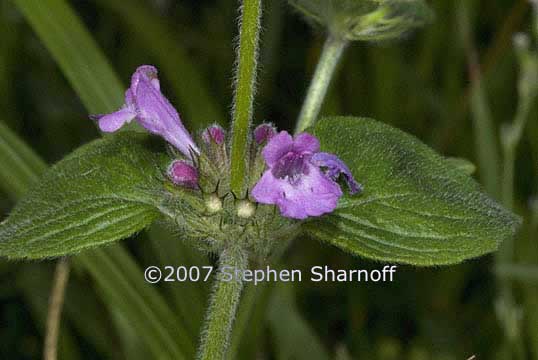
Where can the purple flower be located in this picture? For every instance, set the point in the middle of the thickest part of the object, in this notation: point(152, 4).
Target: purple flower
point(145, 102)
point(183, 174)
point(300, 180)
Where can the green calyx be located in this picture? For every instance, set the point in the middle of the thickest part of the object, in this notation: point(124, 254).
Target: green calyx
point(212, 222)
point(211, 217)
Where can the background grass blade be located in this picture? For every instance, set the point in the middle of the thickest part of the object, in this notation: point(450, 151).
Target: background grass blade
point(117, 274)
point(196, 105)
point(293, 336)
point(189, 297)
point(121, 281)
point(76, 53)
point(18, 162)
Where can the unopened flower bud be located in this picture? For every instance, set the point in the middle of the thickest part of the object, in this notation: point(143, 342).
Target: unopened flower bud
point(215, 134)
point(183, 174)
point(263, 133)
point(366, 20)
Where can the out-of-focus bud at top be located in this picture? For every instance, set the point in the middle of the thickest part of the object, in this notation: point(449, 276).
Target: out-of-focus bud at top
point(367, 20)
point(214, 134)
point(263, 133)
point(521, 41)
point(183, 174)
point(528, 63)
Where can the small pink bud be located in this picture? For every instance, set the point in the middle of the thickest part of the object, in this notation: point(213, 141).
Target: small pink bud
point(264, 133)
point(215, 134)
point(183, 174)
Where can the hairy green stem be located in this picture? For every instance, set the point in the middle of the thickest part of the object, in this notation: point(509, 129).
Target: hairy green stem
point(249, 34)
point(222, 307)
point(328, 61)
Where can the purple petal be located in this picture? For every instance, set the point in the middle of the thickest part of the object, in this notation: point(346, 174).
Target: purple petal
point(158, 116)
point(264, 133)
point(183, 174)
point(336, 167)
point(313, 195)
point(130, 100)
point(269, 189)
point(305, 142)
point(278, 146)
point(214, 133)
point(114, 121)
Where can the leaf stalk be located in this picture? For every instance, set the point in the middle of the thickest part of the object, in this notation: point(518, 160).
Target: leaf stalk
point(331, 55)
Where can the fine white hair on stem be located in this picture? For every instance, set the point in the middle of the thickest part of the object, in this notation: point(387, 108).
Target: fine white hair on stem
point(244, 81)
point(222, 310)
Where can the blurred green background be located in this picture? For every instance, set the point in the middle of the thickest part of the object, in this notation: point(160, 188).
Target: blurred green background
point(421, 84)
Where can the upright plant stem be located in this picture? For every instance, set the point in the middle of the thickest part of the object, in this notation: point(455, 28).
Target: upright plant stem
point(330, 57)
point(222, 307)
point(244, 92)
point(54, 315)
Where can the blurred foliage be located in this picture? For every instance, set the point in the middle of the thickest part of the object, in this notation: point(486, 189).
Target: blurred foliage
point(419, 84)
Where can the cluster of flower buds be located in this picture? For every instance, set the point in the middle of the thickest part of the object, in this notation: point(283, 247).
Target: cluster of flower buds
point(288, 172)
point(366, 20)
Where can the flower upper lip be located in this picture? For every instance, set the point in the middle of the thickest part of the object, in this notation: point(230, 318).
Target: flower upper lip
point(145, 103)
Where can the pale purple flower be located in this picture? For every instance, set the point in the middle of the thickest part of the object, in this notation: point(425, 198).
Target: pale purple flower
point(184, 174)
point(264, 133)
point(214, 133)
point(151, 109)
point(299, 179)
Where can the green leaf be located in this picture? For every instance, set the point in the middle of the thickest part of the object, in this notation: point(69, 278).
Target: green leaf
point(366, 19)
point(102, 192)
point(463, 164)
point(416, 207)
point(76, 52)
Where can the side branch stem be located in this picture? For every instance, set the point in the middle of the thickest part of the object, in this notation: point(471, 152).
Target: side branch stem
point(330, 57)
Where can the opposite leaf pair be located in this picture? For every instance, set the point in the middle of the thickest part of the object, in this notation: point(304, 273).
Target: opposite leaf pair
point(416, 207)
